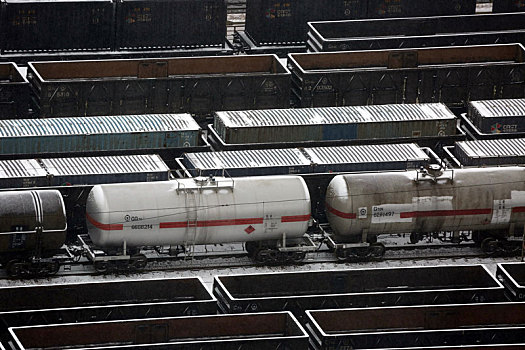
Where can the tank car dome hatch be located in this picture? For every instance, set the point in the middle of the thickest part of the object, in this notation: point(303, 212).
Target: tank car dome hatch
point(185, 211)
point(23, 213)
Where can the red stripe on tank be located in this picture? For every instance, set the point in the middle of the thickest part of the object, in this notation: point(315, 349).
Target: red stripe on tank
point(210, 223)
point(459, 212)
point(518, 210)
point(106, 227)
point(295, 218)
point(340, 213)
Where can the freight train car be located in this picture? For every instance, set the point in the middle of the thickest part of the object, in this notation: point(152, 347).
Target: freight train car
point(93, 29)
point(423, 123)
point(488, 201)
point(32, 230)
point(267, 213)
point(397, 33)
point(14, 92)
point(508, 6)
point(197, 85)
point(451, 75)
point(108, 135)
point(280, 26)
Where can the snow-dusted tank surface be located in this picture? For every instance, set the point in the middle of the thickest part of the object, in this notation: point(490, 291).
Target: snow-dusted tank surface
point(402, 202)
point(198, 211)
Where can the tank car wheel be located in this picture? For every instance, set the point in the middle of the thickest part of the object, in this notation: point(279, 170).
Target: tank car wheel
point(52, 268)
point(341, 254)
point(298, 257)
point(139, 261)
point(101, 266)
point(15, 268)
point(489, 245)
point(251, 248)
point(415, 237)
point(377, 250)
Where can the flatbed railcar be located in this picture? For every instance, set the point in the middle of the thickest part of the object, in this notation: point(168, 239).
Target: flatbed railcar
point(396, 33)
point(450, 75)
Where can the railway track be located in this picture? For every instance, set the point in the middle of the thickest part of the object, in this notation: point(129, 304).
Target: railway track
point(239, 259)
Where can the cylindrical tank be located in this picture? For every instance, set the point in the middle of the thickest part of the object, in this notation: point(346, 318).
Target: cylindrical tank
point(23, 212)
point(412, 201)
point(198, 211)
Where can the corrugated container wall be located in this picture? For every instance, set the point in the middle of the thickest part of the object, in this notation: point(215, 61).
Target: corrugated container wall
point(306, 160)
point(340, 123)
point(14, 92)
point(47, 25)
point(97, 134)
point(22, 173)
point(375, 34)
point(248, 162)
point(147, 24)
point(198, 85)
point(498, 116)
point(490, 152)
point(109, 169)
point(451, 75)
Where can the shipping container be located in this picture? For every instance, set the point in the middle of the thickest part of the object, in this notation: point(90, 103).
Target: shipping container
point(284, 22)
point(508, 5)
point(367, 158)
point(197, 85)
point(218, 332)
point(301, 291)
point(393, 122)
point(97, 135)
point(22, 173)
point(247, 162)
point(490, 152)
point(285, 161)
point(14, 92)
point(103, 301)
point(421, 326)
point(102, 170)
point(451, 75)
point(170, 24)
point(49, 25)
point(380, 34)
point(512, 276)
point(498, 116)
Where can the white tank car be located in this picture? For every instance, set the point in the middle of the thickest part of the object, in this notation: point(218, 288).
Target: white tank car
point(203, 211)
point(402, 202)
